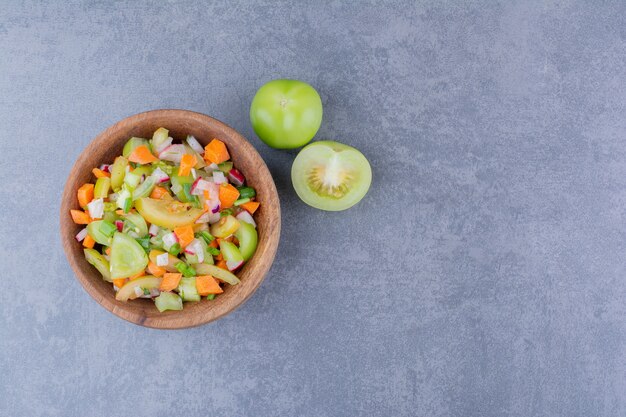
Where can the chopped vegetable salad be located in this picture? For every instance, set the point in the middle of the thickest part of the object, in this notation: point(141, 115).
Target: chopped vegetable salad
point(168, 221)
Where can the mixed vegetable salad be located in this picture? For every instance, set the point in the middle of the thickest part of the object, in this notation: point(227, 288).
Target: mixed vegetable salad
point(168, 221)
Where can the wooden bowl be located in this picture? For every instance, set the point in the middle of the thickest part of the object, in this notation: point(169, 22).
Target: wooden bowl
point(105, 147)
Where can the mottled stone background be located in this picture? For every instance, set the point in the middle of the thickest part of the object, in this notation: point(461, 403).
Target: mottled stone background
point(483, 275)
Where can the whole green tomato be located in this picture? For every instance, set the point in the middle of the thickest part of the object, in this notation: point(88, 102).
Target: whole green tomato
point(286, 114)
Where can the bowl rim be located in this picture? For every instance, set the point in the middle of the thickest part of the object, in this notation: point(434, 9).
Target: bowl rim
point(168, 320)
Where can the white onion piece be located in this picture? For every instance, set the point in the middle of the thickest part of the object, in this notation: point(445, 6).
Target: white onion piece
point(214, 218)
point(219, 178)
point(138, 291)
point(195, 145)
point(244, 216)
point(96, 208)
point(195, 248)
point(167, 142)
point(154, 230)
point(162, 259)
point(169, 240)
point(154, 292)
point(80, 236)
point(200, 186)
point(204, 218)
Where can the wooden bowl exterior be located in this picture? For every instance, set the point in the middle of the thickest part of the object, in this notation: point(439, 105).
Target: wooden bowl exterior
point(105, 147)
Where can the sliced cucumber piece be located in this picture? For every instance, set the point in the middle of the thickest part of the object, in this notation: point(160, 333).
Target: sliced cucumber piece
point(144, 189)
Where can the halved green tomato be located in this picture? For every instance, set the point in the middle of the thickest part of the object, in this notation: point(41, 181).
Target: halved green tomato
point(167, 213)
point(248, 239)
point(216, 272)
point(127, 292)
point(128, 258)
point(225, 227)
point(132, 144)
point(99, 262)
point(330, 175)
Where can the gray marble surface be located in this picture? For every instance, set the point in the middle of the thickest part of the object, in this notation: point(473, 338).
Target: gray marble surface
point(483, 275)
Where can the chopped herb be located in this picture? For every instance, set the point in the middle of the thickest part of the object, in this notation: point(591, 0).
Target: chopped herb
point(206, 236)
point(213, 251)
point(210, 296)
point(175, 249)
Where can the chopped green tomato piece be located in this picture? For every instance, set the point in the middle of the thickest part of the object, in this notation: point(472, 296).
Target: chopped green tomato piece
point(118, 171)
point(132, 180)
point(213, 251)
point(144, 189)
point(122, 198)
point(168, 301)
point(144, 170)
point(225, 227)
point(246, 192)
point(171, 260)
point(216, 272)
point(135, 223)
point(248, 239)
point(132, 144)
point(109, 206)
point(144, 242)
point(99, 262)
point(101, 231)
point(169, 214)
point(165, 167)
point(185, 269)
point(101, 190)
point(230, 252)
point(178, 187)
point(175, 249)
point(241, 201)
point(159, 137)
point(206, 236)
point(211, 297)
point(127, 256)
point(127, 291)
point(226, 212)
point(110, 215)
point(225, 167)
point(187, 289)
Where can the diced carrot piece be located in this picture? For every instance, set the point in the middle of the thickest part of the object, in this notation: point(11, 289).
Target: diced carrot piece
point(80, 217)
point(186, 163)
point(85, 194)
point(216, 152)
point(228, 195)
point(142, 155)
point(107, 251)
point(158, 192)
point(206, 284)
point(222, 264)
point(213, 244)
point(119, 282)
point(137, 275)
point(88, 242)
point(170, 281)
point(184, 235)
point(155, 270)
point(250, 206)
point(100, 173)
